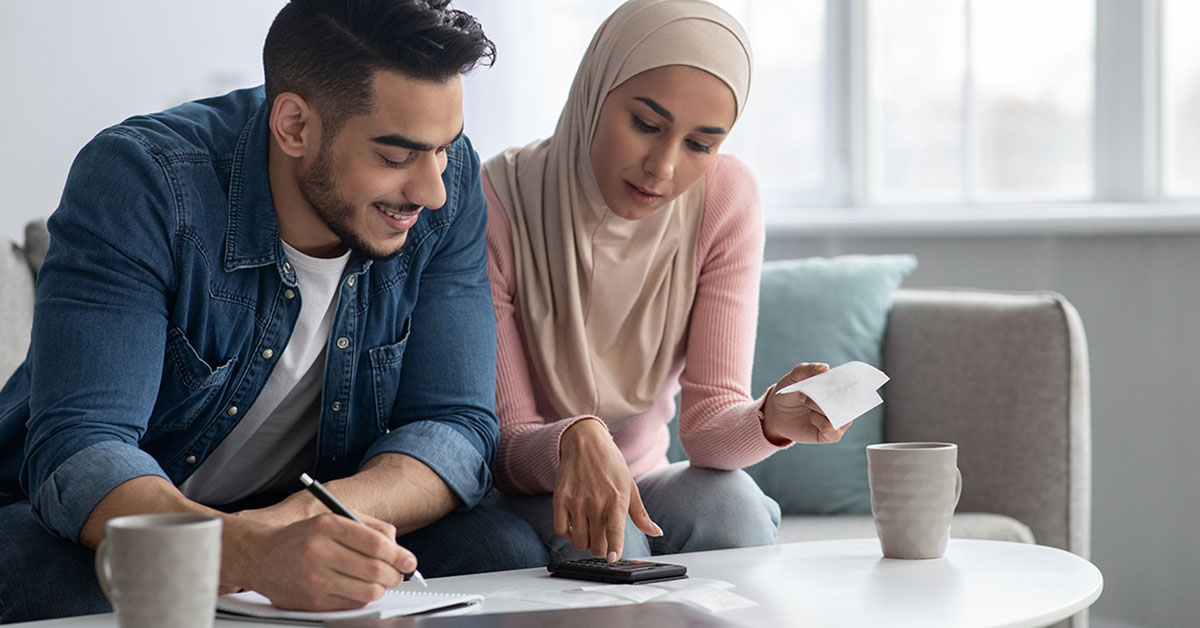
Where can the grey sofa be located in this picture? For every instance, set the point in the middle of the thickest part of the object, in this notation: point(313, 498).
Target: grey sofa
point(18, 268)
point(1003, 375)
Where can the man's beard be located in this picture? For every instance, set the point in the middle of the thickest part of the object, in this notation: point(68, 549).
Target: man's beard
point(319, 188)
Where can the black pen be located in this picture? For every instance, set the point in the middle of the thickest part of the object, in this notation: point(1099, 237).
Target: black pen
point(336, 506)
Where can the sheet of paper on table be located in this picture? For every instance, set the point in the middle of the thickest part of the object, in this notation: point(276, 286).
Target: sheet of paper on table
point(714, 596)
point(844, 392)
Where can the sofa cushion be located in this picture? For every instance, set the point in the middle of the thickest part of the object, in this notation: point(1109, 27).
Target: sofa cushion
point(831, 310)
point(966, 525)
point(37, 241)
point(16, 308)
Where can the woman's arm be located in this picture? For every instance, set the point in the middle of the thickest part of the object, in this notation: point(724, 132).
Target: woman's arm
point(528, 455)
point(720, 421)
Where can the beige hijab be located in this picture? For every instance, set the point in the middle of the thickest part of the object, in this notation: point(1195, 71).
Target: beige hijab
point(605, 301)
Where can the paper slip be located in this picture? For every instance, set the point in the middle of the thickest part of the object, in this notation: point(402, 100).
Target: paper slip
point(844, 392)
point(714, 596)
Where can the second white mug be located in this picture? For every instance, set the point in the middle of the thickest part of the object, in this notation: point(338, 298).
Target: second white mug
point(915, 488)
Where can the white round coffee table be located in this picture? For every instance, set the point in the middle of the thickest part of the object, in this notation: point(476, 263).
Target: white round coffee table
point(842, 584)
point(848, 583)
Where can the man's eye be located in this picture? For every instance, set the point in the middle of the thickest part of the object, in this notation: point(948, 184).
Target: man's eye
point(396, 164)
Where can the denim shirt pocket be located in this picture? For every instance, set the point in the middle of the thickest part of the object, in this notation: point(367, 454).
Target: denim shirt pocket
point(385, 376)
point(189, 384)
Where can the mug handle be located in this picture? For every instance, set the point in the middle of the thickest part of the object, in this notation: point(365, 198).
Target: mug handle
point(104, 569)
point(957, 486)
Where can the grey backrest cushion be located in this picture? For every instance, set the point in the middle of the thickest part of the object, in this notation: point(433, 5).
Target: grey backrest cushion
point(1005, 376)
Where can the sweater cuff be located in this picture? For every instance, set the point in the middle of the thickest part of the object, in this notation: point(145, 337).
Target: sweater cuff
point(761, 405)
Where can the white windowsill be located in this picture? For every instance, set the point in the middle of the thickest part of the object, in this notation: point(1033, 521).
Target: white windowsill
point(1070, 219)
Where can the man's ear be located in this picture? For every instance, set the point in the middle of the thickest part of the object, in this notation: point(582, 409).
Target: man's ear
point(295, 126)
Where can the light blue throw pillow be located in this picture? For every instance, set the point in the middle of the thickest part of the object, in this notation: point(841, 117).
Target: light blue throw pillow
point(830, 310)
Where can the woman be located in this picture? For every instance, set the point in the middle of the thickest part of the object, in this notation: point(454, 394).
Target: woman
point(624, 258)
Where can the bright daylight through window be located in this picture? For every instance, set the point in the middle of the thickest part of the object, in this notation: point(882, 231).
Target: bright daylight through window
point(896, 103)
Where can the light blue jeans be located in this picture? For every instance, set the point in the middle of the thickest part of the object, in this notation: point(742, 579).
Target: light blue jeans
point(43, 576)
point(697, 509)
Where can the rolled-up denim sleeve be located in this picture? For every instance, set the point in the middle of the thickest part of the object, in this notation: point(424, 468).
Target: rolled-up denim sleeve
point(97, 346)
point(454, 457)
point(445, 414)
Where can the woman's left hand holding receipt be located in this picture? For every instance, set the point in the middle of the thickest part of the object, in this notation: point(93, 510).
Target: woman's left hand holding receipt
point(326, 562)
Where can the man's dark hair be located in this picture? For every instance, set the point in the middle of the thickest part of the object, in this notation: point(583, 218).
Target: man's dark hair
point(328, 51)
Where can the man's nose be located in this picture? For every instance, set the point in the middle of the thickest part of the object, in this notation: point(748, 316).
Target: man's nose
point(425, 188)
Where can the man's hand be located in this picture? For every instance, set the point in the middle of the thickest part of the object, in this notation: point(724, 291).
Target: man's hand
point(594, 491)
point(795, 417)
point(325, 563)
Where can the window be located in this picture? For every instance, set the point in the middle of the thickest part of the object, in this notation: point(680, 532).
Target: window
point(896, 103)
point(1180, 99)
point(979, 100)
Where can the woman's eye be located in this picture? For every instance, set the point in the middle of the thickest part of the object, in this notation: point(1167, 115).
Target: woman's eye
point(698, 147)
point(642, 126)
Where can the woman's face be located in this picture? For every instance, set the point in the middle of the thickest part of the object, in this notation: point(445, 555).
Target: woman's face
point(658, 134)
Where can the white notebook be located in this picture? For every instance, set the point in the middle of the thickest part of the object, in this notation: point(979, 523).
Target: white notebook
point(394, 603)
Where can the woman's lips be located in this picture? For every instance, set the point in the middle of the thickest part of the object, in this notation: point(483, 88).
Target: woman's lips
point(640, 195)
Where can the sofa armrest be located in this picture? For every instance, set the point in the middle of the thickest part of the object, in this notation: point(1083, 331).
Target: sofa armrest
point(1005, 376)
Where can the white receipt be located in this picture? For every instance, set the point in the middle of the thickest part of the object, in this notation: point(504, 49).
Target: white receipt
point(844, 393)
point(714, 596)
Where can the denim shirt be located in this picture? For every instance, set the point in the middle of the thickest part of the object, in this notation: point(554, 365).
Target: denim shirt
point(166, 296)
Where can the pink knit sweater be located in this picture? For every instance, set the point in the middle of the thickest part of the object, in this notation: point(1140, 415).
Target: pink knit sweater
point(719, 422)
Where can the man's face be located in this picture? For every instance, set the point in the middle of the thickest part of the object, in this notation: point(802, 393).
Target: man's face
point(370, 183)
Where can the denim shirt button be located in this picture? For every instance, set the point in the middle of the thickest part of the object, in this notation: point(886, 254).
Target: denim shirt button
point(190, 460)
point(336, 406)
point(287, 267)
point(343, 342)
point(267, 354)
point(232, 411)
point(350, 281)
point(289, 294)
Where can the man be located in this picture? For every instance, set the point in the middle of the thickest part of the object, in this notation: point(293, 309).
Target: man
point(248, 287)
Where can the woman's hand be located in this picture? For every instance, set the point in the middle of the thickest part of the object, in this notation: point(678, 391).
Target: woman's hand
point(594, 491)
point(795, 417)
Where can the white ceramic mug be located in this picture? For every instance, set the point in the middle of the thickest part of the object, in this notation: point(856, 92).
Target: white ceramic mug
point(914, 490)
point(161, 570)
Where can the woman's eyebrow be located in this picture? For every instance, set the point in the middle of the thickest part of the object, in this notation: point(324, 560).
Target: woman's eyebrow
point(659, 109)
point(662, 111)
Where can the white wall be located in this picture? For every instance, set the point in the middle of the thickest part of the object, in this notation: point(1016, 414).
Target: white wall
point(70, 68)
point(1138, 297)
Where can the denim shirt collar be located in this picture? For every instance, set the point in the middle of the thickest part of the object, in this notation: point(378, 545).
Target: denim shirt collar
point(252, 234)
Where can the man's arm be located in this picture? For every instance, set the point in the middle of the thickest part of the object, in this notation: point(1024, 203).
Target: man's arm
point(324, 562)
point(99, 332)
point(395, 488)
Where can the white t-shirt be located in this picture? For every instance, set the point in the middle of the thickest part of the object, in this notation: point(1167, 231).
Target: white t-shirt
point(277, 438)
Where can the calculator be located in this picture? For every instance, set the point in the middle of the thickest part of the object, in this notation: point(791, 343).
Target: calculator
point(620, 572)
